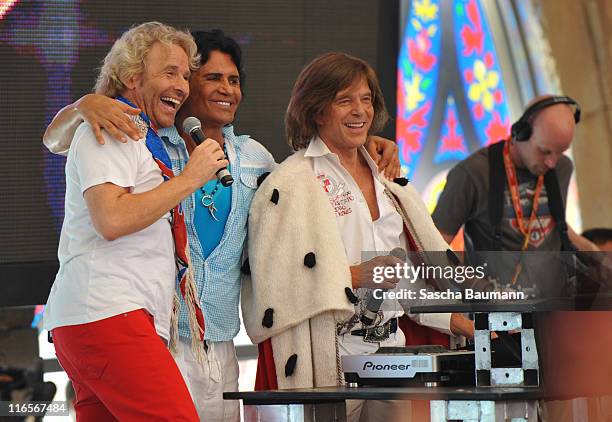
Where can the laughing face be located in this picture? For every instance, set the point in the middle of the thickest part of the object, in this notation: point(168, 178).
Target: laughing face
point(215, 91)
point(346, 121)
point(163, 86)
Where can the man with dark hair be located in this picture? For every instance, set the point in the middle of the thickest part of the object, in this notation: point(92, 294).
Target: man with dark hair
point(215, 40)
point(216, 216)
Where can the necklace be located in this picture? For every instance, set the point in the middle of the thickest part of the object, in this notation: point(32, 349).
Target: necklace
point(208, 199)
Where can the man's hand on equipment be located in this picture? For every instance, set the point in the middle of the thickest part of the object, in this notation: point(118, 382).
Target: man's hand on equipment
point(462, 326)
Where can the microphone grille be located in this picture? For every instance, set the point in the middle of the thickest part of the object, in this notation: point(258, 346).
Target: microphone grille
point(191, 123)
point(399, 253)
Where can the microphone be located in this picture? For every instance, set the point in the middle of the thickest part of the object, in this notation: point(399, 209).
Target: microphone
point(193, 127)
point(373, 303)
point(399, 253)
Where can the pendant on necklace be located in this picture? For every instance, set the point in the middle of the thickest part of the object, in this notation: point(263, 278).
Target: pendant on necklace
point(209, 202)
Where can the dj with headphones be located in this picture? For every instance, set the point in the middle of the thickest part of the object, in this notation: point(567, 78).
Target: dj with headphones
point(511, 195)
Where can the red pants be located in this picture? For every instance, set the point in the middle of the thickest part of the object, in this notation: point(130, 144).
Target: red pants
point(121, 370)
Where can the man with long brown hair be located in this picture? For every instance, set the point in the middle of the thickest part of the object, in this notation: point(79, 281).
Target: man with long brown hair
point(311, 221)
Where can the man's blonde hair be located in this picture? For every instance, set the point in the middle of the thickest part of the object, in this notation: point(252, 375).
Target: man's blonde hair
point(126, 57)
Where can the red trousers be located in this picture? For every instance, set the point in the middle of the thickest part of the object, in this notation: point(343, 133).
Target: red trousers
point(121, 370)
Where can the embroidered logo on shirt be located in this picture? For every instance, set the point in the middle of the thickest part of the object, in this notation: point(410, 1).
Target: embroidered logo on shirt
point(339, 198)
point(329, 184)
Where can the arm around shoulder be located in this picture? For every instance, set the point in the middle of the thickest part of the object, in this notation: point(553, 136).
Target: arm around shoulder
point(100, 112)
point(58, 135)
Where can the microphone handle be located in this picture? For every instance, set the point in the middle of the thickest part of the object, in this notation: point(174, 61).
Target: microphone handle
point(225, 177)
point(223, 174)
point(197, 135)
point(372, 306)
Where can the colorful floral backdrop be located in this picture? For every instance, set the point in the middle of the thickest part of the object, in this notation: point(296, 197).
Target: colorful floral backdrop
point(451, 92)
point(482, 86)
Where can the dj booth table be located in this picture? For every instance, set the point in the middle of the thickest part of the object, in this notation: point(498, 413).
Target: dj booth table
point(500, 394)
point(328, 403)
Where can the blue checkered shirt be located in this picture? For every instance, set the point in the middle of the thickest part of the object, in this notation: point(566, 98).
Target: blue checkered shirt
point(217, 278)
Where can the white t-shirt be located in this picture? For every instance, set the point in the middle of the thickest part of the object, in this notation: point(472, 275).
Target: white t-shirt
point(98, 278)
point(360, 234)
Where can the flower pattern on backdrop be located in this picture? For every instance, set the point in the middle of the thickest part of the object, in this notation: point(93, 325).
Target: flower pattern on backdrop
point(417, 80)
point(480, 72)
point(483, 105)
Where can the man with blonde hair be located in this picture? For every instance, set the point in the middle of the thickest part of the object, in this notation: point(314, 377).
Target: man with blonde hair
point(110, 307)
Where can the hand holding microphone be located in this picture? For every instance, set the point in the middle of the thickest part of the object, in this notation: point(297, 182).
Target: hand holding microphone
point(193, 127)
point(205, 161)
point(362, 275)
point(396, 256)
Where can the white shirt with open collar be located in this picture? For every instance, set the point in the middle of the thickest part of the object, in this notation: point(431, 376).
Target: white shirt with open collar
point(362, 235)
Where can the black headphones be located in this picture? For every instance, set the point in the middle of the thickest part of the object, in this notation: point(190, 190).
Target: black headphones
point(521, 129)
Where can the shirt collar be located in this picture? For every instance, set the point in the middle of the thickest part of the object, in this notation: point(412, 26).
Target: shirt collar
point(236, 140)
point(318, 148)
point(171, 134)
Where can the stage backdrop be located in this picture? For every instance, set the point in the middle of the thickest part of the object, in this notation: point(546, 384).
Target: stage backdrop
point(49, 52)
point(465, 70)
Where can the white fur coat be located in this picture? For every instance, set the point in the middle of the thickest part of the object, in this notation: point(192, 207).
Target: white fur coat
point(297, 306)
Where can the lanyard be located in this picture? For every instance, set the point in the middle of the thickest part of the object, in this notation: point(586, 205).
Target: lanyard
point(516, 204)
point(516, 199)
